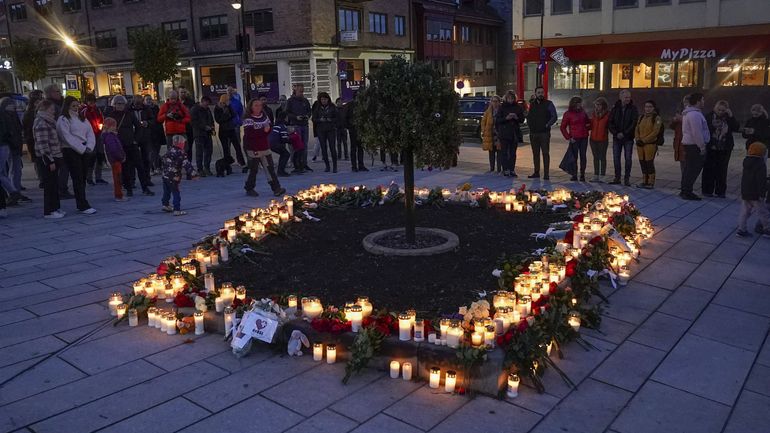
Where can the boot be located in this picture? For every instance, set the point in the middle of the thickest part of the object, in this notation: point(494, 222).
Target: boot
point(334, 166)
point(327, 167)
point(276, 187)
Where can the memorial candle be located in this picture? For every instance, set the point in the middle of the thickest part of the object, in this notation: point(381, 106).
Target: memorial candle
point(435, 377)
point(229, 314)
point(318, 351)
point(394, 369)
point(171, 324)
point(355, 314)
point(208, 280)
point(133, 317)
point(198, 323)
point(224, 254)
point(366, 306)
point(406, 369)
point(444, 327)
point(115, 299)
point(162, 322)
point(311, 307)
point(219, 304)
point(477, 338)
point(574, 320)
point(331, 353)
point(404, 327)
point(120, 310)
point(513, 385)
point(151, 313)
point(240, 293)
point(291, 301)
point(450, 381)
point(419, 330)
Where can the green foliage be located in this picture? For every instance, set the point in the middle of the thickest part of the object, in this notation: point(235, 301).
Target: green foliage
point(156, 54)
point(409, 106)
point(29, 60)
point(365, 346)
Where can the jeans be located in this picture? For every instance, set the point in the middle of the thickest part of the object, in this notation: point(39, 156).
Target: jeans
point(753, 206)
point(581, 150)
point(541, 142)
point(132, 166)
point(5, 182)
point(693, 164)
point(77, 169)
point(599, 151)
point(96, 163)
point(64, 177)
point(342, 142)
point(714, 179)
point(327, 139)
point(228, 137)
point(204, 147)
point(283, 156)
point(117, 172)
point(50, 187)
point(494, 159)
point(170, 188)
point(16, 166)
point(508, 154)
point(356, 151)
point(267, 163)
point(626, 147)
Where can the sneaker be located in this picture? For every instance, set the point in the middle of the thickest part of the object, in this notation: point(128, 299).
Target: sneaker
point(202, 173)
point(179, 213)
point(283, 174)
point(641, 185)
point(90, 182)
point(689, 196)
point(121, 199)
point(167, 208)
point(53, 216)
point(546, 177)
point(708, 194)
point(3, 213)
point(742, 234)
point(101, 182)
point(766, 234)
point(60, 211)
point(615, 181)
point(513, 174)
point(627, 182)
point(89, 211)
point(279, 192)
point(252, 193)
point(531, 176)
point(573, 178)
point(147, 191)
point(720, 196)
point(363, 169)
point(582, 178)
point(244, 169)
point(596, 179)
point(758, 228)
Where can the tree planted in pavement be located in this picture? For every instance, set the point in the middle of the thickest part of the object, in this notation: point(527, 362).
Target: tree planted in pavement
point(156, 54)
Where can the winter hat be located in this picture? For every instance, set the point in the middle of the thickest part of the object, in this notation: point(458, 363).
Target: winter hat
point(757, 149)
point(118, 99)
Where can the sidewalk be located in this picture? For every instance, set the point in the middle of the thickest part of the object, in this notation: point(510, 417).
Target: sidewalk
point(682, 348)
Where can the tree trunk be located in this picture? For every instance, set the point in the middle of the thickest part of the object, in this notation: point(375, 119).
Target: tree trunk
point(409, 195)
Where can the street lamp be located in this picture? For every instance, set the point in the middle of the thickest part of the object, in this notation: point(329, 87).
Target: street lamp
point(68, 41)
point(236, 5)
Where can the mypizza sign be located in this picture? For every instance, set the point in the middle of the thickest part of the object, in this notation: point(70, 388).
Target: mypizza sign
point(687, 54)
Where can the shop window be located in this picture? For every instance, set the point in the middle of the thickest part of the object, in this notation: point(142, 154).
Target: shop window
point(741, 72)
point(621, 76)
point(687, 73)
point(753, 72)
point(590, 5)
point(132, 31)
point(50, 47)
point(378, 23)
point(465, 34)
point(216, 79)
point(132, 1)
point(264, 82)
point(533, 7)
point(621, 4)
point(214, 27)
point(586, 76)
point(18, 11)
point(561, 7)
point(562, 77)
point(354, 70)
point(349, 19)
point(642, 73)
point(261, 21)
point(71, 5)
point(116, 84)
point(176, 28)
point(399, 25)
point(374, 65)
point(96, 4)
point(664, 74)
point(106, 39)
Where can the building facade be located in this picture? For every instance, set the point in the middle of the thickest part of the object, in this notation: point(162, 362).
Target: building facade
point(326, 45)
point(660, 49)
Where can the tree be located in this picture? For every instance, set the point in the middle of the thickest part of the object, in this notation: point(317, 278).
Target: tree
point(156, 54)
point(29, 60)
point(410, 109)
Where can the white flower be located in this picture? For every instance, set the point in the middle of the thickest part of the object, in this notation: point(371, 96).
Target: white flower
point(200, 304)
point(463, 311)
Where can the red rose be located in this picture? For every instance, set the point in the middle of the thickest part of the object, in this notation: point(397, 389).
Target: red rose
point(569, 237)
point(553, 287)
point(320, 324)
point(595, 240)
point(499, 340)
point(368, 320)
point(428, 327)
point(522, 326)
point(162, 269)
point(508, 337)
point(223, 234)
point(182, 301)
point(609, 220)
point(577, 204)
point(578, 218)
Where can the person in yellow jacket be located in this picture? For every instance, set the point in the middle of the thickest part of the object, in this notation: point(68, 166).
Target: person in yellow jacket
point(489, 136)
point(648, 137)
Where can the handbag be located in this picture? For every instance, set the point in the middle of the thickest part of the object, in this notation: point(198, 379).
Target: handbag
point(569, 161)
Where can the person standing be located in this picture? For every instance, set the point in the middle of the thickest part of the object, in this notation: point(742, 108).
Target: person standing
point(236, 103)
point(695, 136)
point(174, 116)
point(325, 123)
point(541, 117)
point(28, 122)
point(143, 133)
point(203, 127)
point(279, 138)
point(95, 118)
point(49, 153)
point(356, 149)
point(489, 142)
point(127, 127)
point(299, 111)
point(12, 135)
point(598, 139)
point(268, 110)
point(508, 122)
point(676, 125)
point(225, 118)
point(757, 127)
point(574, 127)
point(157, 136)
point(116, 156)
point(256, 128)
point(342, 132)
point(78, 143)
point(53, 93)
point(189, 102)
point(753, 191)
point(647, 136)
point(623, 118)
point(721, 125)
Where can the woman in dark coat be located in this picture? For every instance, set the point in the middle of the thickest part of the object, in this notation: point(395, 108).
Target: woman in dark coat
point(508, 122)
point(721, 125)
point(325, 123)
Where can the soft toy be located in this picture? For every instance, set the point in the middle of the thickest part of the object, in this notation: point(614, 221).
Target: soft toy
point(296, 341)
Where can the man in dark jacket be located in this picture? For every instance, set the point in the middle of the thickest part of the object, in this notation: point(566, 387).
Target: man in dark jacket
point(356, 150)
point(202, 122)
point(622, 125)
point(227, 119)
point(541, 117)
point(189, 103)
point(144, 133)
point(753, 190)
point(508, 122)
point(299, 111)
point(133, 165)
point(27, 122)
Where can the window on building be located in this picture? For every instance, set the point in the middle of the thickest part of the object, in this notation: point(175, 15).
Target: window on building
point(620, 4)
point(658, 2)
point(71, 5)
point(261, 21)
point(490, 37)
point(378, 23)
point(478, 67)
point(586, 76)
point(590, 5)
point(50, 47)
point(96, 4)
point(741, 72)
point(132, 1)
point(17, 11)
point(465, 34)
point(688, 72)
point(214, 27)
point(563, 77)
point(446, 35)
point(642, 74)
point(399, 25)
point(728, 72)
point(691, 1)
point(753, 72)
point(561, 7)
point(489, 65)
point(533, 7)
point(621, 76)
point(354, 70)
point(132, 31)
point(664, 74)
point(43, 7)
point(176, 28)
point(349, 19)
point(105, 39)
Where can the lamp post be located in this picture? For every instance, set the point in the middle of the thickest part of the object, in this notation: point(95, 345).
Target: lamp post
point(541, 65)
point(242, 38)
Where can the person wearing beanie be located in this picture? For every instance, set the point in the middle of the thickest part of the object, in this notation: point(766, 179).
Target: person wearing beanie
point(753, 190)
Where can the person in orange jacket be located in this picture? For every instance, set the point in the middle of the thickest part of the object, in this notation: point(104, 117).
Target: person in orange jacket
point(175, 117)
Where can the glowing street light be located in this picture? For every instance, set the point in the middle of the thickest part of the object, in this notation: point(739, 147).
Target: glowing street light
point(236, 5)
point(68, 41)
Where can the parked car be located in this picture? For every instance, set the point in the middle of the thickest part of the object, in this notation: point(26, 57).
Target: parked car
point(21, 102)
point(470, 113)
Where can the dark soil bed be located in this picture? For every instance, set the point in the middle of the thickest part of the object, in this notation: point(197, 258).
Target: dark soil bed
point(330, 262)
point(421, 240)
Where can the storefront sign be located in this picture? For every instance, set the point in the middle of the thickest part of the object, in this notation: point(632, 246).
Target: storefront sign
point(215, 90)
point(560, 57)
point(687, 54)
point(6, 64)
point(350, 89)
point(268, 90)
point(349, 36)
point(72, 82)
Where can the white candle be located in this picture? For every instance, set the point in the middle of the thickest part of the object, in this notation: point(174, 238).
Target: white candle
point(240, 293)
point(115, 300)
point(355, 314)
point(311, 307)
point(394, 369)
point(419, 330)
point(454, 335)
point(229, 319)
point(133, 317)
point(331, 353)
point(224, 254)
point(292, 301)
point(138, 286)
point(432, 337)
point(366, 306)
point(489, 336)
point(477, 339)
point(290, 206)
point(214, 258)
point(162, 321)
point(120, 310)
point(450, 381)
point(171, 324)
point(406, 369)
point(574, 320)
point(318, 351)
point(170, 293)
point(444, 327)
point(525, 305)
point(548, 348)
point(151, 312)
point(513, 385)
point(404, 327)
point(624, 276)
point(198, 323)
point(508, 207)
point(219, 304)
point(208, 280)
point(435, 377)
point(230, 235)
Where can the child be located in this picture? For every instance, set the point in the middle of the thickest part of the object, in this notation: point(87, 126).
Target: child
point(279, 138)
point(298, 151)
point(753, 190)
point(173, 162)
point(116, 156)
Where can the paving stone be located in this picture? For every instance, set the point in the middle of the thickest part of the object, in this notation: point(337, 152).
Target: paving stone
point(130, 401)
point(690, 251)
point(666, 273)
point(327, 388)
point(383, 423)
point(759, 380)
point(611, 330)
point(655, 248)
point(46, 261)
point(764, 354)
point(31, 274)
point(77, 242)
point(46, 375)
point(731, 251)
point(491, 413)
point(200, 348)
point(731, 326)
point(53, 323)
point(590, 408)
point(20, 254)
point(240, 418)
point(753, 266)
point(227, 361)
point(745, 296)
point(686, 302)
point(325, 421)
point(69, 302)
point(659, 408)
point(629, 366)
point(577, 364)
point(103, 331)
point(534, 401)
point(635, 302)
point(94, 274)
point(30, 410)
point(23, 290)
point(426, 407)
point(29, 349)
point(710, 275)
point(750, 414)
point(246, 383)
point(166, 417)
point(660, 331)
point(374, 398)
point(706, 368)
point(14, 316)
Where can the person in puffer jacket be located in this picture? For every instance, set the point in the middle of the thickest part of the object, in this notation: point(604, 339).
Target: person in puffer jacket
point(113, 149)
point(574, 127)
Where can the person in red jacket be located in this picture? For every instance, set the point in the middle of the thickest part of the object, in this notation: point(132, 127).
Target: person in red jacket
point(94, 116)
point(175, 117)
point(574, 127)
point(256, 128)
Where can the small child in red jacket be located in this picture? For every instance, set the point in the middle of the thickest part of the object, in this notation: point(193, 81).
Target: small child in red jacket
point(174, 161)
point(298, 151)
point(116, 156)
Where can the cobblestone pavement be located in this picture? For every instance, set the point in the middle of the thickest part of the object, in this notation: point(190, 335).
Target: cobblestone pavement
point(682, 348)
